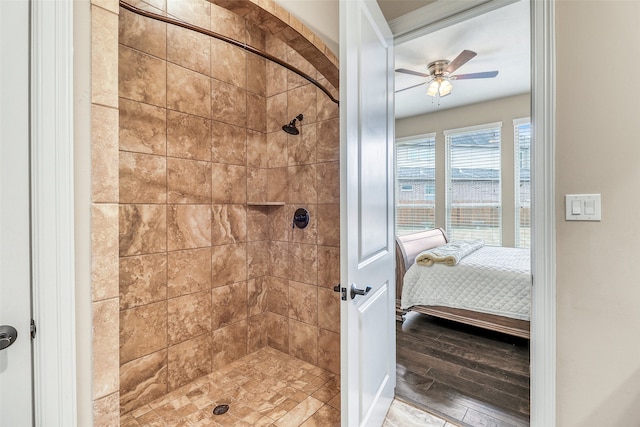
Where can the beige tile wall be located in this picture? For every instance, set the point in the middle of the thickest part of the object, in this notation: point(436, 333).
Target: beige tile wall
point(302, 171)
point(104, 210)
point(207, 272)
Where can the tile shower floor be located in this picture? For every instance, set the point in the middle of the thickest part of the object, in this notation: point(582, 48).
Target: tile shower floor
point(265, 388)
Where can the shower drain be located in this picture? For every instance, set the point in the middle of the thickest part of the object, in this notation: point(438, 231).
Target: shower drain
point(220, 409)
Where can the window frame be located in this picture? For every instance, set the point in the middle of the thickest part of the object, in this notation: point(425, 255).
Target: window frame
point(517, 165)
point(448, 135)
point(428, 202)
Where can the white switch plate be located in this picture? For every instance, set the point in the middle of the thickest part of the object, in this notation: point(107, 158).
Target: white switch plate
point(592, 201)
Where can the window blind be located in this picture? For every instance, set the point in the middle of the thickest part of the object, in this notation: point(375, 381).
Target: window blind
point(522, 141)
point(415, 184)
point(473, 197)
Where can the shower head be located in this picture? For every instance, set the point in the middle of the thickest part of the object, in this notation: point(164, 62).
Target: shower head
point(291, 128)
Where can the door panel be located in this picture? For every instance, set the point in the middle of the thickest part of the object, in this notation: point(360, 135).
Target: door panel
point(15, 299)
point(367, 258)
point(374, 370)
point(372, 142)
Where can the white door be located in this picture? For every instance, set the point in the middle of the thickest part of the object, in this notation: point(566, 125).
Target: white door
point(366, 242)
point(15, 304)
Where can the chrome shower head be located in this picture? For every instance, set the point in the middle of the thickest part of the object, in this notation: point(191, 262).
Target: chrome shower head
point(291, 128)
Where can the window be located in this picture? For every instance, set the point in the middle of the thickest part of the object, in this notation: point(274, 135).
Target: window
point(473, 198)
point(522, 141)
point(415, 183)
point(430, 191)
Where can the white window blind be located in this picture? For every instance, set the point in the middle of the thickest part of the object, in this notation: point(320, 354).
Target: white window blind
point(415, 183)
point(522, 140)
point(473, 197)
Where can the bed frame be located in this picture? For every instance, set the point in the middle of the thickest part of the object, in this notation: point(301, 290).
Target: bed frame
point(407, 248)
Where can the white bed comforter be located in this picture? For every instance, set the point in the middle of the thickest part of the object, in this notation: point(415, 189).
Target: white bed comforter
point(492, 280)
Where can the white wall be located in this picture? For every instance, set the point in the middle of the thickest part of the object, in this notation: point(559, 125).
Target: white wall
point(598, 273)
point(503, 110)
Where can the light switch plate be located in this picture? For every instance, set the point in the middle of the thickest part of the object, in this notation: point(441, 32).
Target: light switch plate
point(589, 207)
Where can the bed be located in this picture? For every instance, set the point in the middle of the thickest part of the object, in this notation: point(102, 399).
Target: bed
point(498, 281)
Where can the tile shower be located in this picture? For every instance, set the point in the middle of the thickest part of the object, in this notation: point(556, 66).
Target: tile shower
point(210, 268)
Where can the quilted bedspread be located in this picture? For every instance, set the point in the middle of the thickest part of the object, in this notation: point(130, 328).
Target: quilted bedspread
point(492, 280)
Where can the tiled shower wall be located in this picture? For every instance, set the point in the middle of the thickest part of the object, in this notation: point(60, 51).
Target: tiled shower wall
point(210, 267)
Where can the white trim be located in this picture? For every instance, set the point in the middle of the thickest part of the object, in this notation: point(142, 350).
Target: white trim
point(475, 128)
point(438, 15)
point(543, 255)
point(521, 121)
point(52, 212)
point(415, 137)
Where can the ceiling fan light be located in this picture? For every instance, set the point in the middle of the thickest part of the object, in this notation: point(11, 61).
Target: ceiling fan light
point(445, 88)
point(433, 88)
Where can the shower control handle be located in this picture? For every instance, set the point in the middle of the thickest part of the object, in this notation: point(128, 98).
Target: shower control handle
point(355, 291)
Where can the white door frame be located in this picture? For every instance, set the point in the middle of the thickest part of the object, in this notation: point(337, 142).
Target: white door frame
point(543, 315)
point(52, 206)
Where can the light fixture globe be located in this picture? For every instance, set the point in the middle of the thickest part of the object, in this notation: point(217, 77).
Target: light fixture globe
point(445, 87)
point(440, 85)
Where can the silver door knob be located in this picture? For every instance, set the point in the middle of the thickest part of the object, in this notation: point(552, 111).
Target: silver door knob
point(355, 291)
point(8, 335)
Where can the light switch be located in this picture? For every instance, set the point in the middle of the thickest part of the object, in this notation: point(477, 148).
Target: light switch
point(583, 207)
point(576, 207)
point(589, 207)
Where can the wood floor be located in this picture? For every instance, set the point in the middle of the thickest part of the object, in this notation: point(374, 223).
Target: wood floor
point(466, 375)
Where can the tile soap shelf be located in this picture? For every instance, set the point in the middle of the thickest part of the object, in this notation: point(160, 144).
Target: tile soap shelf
point(265, 203)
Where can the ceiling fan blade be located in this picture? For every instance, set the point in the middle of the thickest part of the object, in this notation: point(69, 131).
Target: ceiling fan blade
point(464, 57)
point(410, 87)
point(483, 75)
point(415, 73)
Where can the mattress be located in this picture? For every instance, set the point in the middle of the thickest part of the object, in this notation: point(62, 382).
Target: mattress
point(492, 280)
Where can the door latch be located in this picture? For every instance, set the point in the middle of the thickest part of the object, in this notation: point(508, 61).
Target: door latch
point(343, 291)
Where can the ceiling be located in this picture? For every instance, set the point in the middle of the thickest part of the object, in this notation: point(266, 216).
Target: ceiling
point(500, 37)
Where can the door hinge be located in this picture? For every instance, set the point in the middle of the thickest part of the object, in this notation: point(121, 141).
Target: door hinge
point(33, 329)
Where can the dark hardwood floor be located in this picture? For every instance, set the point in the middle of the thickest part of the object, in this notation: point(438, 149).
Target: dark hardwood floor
point(466, 375)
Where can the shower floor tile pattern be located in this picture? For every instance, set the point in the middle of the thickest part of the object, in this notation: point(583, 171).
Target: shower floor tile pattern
point(265, 388)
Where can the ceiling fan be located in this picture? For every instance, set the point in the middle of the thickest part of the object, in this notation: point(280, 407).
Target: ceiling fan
point(440, 74)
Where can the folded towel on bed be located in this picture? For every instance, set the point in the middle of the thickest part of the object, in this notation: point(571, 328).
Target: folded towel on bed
point(450, 253)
